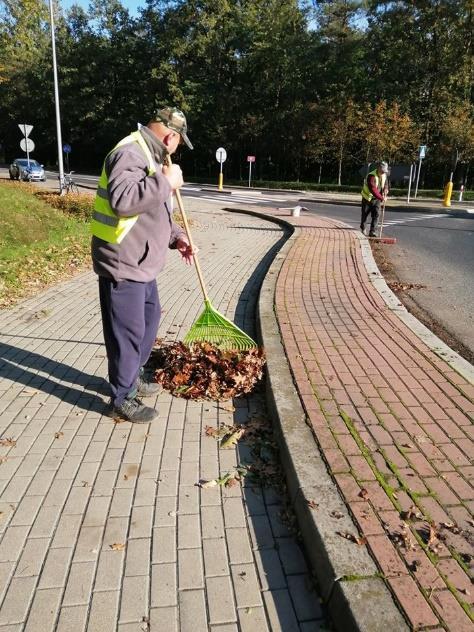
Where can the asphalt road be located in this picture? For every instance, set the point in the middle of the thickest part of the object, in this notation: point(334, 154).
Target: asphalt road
point(434, 249)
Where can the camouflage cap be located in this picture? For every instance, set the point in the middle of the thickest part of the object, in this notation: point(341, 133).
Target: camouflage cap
point(175, 120)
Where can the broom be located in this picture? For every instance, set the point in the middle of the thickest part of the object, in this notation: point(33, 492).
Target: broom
point(211, 326)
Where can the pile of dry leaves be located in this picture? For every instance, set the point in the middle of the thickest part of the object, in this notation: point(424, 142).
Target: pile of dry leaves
point(202, 371)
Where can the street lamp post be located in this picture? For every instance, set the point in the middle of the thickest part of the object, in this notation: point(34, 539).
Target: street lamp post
point(56, 103)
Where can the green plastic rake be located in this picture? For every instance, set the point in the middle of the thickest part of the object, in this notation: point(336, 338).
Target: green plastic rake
point(212, 326)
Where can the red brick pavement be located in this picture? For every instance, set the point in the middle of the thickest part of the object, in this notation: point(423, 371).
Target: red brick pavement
point(392, 420)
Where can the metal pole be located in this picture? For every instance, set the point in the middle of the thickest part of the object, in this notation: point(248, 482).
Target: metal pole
point(250, 172)
point(26, 143)
point(56, 103)
point(418, 177)
point(409, 183)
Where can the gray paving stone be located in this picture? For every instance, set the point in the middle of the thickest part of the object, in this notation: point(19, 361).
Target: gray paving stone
point(291, 556)
point(66, 531)
point(246, 586)
point(190, 569)
point(216, 561)
point(234, 515)
point(163, 585)
point(134, 601)
point(164, 545)
point(141, 523)
point(44, 610)
point(103, 613)
point(145, 492)
point(220, 600)
point(12, 543)
point(261, 532)
point(79, 584)
point(72, 618)
point(254, 620)
point(192, 610)
point(168, 483)
point(227, 627)
point(280, 611)
point(239, 546)
point(32, 557)
point(88, 544)
point(17, 600)
point(189, 531)
point(138, 557)
point(164, 619)
point(109, 570)
point(212, 522)
point(188, 500)
point(305, 599)
point(55, 568)
point(270, 569)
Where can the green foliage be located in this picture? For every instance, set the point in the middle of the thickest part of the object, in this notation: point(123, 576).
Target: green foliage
point(305, 86)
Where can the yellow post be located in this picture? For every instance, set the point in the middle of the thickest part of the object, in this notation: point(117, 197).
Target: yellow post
point(221, 179)
point(448, 191)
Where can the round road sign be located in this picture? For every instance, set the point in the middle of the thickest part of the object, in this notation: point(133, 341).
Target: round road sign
point(221, 154)
point(27, 144)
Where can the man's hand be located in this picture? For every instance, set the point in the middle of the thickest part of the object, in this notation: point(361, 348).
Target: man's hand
point(174, 175)
point(186, 251)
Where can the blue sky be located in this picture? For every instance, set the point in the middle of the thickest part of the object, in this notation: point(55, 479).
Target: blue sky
point(132, 5)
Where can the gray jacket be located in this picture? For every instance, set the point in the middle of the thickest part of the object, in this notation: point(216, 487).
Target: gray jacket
point(142, 253)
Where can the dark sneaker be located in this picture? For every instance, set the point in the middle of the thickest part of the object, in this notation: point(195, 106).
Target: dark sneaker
point(134, 410)
point(362, 229)
point(147, 389)
point(372, 234)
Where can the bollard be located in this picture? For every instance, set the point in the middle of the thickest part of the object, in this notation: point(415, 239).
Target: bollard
point(296, 211)
point(448, 191)
point(461, 191)
point(221, 180)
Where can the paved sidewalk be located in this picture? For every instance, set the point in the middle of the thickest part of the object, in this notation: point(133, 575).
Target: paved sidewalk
point(392, 421)
point(102, 525)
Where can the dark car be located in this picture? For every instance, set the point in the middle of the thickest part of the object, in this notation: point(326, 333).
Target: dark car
point(22, 169)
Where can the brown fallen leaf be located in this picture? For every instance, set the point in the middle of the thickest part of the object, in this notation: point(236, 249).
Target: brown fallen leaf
point(229, 441)
point(411, 514)
point(85, 484)
point(117, 546)
point(8, 442)
point(312, 504)
point(471, 522)
point(451, 526)
point(364, 494)
point(336, 514)
point(58, 435)
point(350, 536)
point(433, 535)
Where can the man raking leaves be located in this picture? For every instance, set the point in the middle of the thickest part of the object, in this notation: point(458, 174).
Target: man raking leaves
point(132, 229)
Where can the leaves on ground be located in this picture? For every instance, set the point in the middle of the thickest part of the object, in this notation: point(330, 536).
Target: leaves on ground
point(117, 546)
point(352, 538)
point(8, 442)
point(202, 371)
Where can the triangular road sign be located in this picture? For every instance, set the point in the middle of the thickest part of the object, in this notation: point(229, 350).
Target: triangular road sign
point(25, 129)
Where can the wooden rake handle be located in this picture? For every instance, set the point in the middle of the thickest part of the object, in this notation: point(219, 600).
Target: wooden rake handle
point(188, 233)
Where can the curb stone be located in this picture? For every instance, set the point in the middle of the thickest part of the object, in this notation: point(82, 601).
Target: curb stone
point(346, 574)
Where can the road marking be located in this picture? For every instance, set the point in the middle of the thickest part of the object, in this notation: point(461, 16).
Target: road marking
point(405, 220)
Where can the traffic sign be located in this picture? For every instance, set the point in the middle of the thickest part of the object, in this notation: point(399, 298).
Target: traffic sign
point(250, 158)
point(422, 151)
point(221, 155)
point(25, 129)
point(27, 145)
point(67, 148)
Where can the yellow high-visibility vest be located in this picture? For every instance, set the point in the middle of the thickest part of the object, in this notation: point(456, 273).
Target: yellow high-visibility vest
point(106, 224)
point(379, 183)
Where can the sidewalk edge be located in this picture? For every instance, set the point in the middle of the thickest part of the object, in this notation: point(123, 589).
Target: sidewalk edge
point(307, 477)
point(455, 361)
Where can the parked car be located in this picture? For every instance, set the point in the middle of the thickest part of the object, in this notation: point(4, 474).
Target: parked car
point(20, 169)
